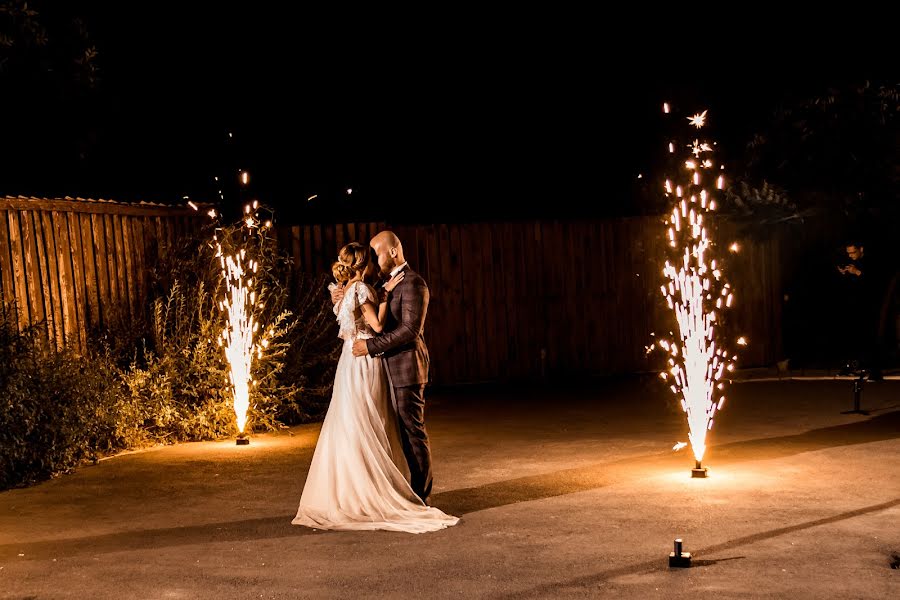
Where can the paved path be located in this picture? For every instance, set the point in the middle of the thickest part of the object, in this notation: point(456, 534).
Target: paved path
point(563, 493)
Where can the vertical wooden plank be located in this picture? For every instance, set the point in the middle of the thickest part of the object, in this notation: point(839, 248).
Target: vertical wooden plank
point(577, 304)
point(616, 327)
point(638, 282)
point(121, 265)
point(32, 274)
point(407, 236)
point(776, 282)
point(438, 314)
point(506, 252)
point(351, 234)
point(52, 243)
point(564, 360)
point(90, 270)
point(490, 306)
point(169, 232)
point(633, 231)
point(465, 306)
point(527, 324)
point(162, 247)
point(320, 259)
point(123, 232)
point(475, 281)
point(307, 249)
point(505, 300)
point(113, 269)
point(542, 332)
point(151, 243)
point(66, 279)
point(481, 274)
point(771, 352)
point(454, 330)
point(417, 237)
point(186, 231)
point(18, 264)
point(45, 250)
point(8, 295)
point(78, 282)
point(140, 270)
point(585, 248)
point(179, 229)
point(339, 236)
point(330, 246)
point(98, 235)
point(552, 292)
point(594, 345)
point(508, 260)
point(282, 236)
point(641, 279)
point(295, 248)
point(527, 346)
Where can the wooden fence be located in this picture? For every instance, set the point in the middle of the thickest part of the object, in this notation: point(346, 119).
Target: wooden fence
point(552, 298)
point(517, 300)
point(73, 264)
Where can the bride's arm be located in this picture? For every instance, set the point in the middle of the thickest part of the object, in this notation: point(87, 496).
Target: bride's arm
point(375, 318)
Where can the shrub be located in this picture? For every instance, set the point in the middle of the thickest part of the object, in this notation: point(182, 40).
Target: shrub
point(58, 409)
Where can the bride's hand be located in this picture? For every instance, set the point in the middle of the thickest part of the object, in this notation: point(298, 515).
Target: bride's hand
point(392, 283)
point(337, 292)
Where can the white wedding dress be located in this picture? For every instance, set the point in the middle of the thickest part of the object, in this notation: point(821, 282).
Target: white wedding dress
point(359, 478)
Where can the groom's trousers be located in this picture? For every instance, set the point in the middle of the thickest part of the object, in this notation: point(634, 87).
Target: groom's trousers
point(409, 401)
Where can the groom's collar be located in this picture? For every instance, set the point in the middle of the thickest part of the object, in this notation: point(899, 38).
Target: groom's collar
point(399, 268)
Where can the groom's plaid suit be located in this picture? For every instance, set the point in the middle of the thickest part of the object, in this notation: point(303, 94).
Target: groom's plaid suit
point(402, 346)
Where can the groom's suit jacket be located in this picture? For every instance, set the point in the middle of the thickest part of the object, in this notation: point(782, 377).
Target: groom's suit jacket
point(401, 343)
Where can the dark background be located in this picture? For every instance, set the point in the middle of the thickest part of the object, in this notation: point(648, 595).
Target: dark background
point(441, 120)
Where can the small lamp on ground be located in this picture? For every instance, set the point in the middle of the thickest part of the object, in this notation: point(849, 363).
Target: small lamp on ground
point(679, 558)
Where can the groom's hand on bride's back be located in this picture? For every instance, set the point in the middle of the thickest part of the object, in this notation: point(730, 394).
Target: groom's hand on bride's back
point(360, 348)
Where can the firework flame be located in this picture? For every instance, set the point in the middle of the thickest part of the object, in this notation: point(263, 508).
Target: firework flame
point(696, 291)
point(237, 336)
point(241, 327)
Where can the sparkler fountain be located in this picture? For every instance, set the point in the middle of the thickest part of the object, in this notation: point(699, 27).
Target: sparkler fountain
point(240, 307)
point(696, 292)
point(237, 337)
point(241, 248)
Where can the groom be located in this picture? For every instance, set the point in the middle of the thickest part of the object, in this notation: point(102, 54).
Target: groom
point(402, 347)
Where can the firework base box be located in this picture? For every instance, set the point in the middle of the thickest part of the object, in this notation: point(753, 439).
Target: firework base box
point(678, 558)
point(242, 440)
point(680, 561)
point(699, 472)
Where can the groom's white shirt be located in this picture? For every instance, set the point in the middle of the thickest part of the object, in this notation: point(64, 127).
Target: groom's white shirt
point(398, 268)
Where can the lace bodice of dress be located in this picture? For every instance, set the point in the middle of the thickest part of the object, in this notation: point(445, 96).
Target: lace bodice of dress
point(351, 327)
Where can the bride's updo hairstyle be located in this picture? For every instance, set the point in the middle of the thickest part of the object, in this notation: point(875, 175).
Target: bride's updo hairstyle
point(353, 258)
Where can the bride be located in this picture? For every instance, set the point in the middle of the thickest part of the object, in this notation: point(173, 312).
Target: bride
point(359, 478)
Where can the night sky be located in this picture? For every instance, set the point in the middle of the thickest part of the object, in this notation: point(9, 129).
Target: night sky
point(423, 126)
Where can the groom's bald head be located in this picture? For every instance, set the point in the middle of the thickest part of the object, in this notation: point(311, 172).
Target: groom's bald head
point(389, 250)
